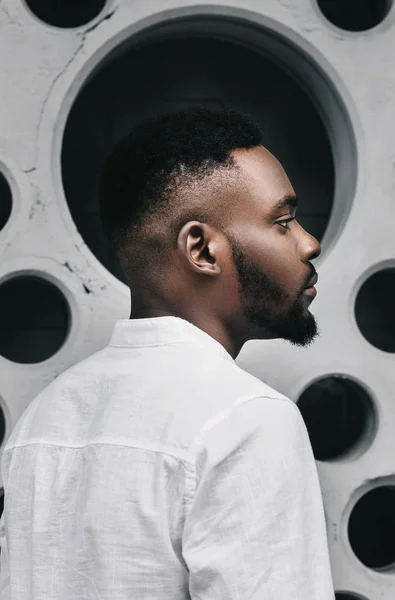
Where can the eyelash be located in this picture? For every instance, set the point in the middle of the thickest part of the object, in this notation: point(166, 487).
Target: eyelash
point(286, 222)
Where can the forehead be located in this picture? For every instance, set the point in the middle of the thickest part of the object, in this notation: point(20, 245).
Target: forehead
point(263, 179)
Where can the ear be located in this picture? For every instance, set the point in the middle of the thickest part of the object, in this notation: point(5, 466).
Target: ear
point(198, 248)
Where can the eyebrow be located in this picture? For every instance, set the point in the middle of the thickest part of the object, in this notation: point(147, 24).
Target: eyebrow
point(289, 201)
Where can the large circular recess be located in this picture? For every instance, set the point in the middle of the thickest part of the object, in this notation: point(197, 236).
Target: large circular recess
point(339, 416)
point(5, 201)
point(35, 319)
point(355, 15)
point(371, 528)
point(66, 13)
point(215, 62)
point(374, 309)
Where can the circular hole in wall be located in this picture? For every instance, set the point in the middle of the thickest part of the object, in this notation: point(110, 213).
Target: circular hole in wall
point(188, 63)
point(5, 201)
point(35, 319)
point(2, 425)
point(339, 416)
point(66, 13)
point(355, 15)
point(371, 528)
point(374, 309)
point(348, 596)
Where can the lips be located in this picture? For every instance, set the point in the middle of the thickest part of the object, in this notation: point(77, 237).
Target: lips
point(312, 282)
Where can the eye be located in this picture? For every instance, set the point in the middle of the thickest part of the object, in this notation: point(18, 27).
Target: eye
point(285, 224)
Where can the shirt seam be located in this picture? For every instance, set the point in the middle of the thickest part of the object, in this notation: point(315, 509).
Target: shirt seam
point(185, 456)
point(209, 425)
point(182, 456)
point(223, 414)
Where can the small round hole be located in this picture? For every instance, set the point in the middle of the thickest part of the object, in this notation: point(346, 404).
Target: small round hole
point(5, 201)
point(34, 319)
point(355, 15)
point(2, 425)
point(338, 413)
point(371, 528)
point(348, 596)
point(66, 13)
point(374, 310)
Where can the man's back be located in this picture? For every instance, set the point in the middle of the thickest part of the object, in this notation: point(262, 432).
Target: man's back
point(158, 469)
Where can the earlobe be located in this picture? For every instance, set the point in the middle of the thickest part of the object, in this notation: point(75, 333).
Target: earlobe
point(215, 269)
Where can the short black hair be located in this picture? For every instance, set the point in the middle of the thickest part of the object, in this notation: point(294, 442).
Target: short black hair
point(141, 177)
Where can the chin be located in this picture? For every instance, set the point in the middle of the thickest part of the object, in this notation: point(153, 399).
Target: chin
point(300, 329)
point(307, 336)
point(302, 343)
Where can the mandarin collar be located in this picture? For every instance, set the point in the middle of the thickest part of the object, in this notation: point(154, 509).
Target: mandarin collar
point(158, 331)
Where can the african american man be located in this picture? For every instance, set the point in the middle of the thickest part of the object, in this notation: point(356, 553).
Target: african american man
point(156, 468)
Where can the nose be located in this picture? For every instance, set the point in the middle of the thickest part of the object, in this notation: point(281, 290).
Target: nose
point(311, 248)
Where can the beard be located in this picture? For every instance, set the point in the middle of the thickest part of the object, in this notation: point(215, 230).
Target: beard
point(261, 297)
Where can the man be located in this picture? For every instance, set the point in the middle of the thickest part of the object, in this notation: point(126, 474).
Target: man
point(157, 468)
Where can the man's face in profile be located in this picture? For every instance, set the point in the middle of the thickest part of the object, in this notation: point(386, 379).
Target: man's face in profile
point(272, 253)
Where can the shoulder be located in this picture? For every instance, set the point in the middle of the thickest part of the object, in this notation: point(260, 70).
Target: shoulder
point(261, 434)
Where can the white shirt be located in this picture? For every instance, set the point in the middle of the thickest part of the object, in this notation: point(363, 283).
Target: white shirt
point(157, 469)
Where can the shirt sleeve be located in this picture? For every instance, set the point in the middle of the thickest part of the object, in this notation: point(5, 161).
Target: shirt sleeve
point(255, 528)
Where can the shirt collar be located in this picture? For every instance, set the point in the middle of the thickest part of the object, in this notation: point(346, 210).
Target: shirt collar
point(158, 331)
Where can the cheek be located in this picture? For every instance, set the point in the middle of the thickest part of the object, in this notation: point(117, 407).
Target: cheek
point(278, 260)
point(230, 283)
point(274, 253)
point(270, 254)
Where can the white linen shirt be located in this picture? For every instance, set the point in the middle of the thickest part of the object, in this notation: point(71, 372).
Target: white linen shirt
point(157, 469)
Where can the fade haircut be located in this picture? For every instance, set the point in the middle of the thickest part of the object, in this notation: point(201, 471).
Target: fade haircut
point(154, 180)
